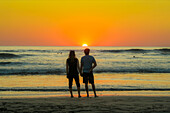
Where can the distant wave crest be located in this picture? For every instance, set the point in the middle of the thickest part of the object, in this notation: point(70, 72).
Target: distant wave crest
point(137, 50)
point(163, 50)
point(31, 72)
point(8, 55)
point(34, 50)
point(80, 50)
point(10, 63)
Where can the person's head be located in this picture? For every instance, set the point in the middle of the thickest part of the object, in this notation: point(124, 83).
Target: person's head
point(72, 54)
point(87, 51)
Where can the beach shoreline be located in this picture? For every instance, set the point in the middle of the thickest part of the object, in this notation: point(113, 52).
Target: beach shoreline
point(117, 104)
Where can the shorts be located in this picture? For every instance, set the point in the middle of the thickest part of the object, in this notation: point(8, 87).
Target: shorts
point(76, 78)
point(88, 78)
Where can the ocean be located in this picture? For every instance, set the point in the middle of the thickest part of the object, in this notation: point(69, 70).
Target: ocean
point(38, 71)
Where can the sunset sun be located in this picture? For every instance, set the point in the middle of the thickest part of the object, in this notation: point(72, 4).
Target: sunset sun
point(84, 45)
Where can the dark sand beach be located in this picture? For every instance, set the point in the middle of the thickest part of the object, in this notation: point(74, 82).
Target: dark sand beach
point(104, 104)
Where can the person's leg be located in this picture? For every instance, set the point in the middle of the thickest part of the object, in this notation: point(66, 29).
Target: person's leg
point(85, 80)
point(70, 86)
point(91, 80)
point(94, 90)
point(78, 85)
point(86, 87)
point(71, 92)
point(78, 89)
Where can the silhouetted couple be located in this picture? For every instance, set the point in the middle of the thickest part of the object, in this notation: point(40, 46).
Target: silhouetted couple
point(88, 63)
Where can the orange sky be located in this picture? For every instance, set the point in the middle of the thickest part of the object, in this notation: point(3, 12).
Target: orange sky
point(95, 22)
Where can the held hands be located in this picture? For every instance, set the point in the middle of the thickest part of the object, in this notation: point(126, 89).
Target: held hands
point(81, 74)
point(67, 75)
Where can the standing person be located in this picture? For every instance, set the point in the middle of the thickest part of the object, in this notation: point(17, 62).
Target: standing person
point(88, 63)
point(72, 68)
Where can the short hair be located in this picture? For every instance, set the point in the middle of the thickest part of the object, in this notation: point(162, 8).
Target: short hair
point(87, 51)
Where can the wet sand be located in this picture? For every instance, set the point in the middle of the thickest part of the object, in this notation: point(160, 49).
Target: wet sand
point(104, 104)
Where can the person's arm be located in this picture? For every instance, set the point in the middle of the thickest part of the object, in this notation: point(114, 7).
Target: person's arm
point(66, 67)
point(78, 65)
point(94, 65)
point(81, 69)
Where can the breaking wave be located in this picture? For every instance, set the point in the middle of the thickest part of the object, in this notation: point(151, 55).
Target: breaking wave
point(62, 71)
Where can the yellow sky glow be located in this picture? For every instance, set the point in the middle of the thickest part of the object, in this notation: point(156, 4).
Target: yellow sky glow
point(95, 22)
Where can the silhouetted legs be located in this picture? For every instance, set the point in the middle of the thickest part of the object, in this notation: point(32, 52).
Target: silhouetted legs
point(94, 90)
point(71, 92)
point(87, 90)
point(93, 87)
point(78, 86)
point(78, 89)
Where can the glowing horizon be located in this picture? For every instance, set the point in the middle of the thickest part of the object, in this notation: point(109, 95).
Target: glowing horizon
point(94, 22)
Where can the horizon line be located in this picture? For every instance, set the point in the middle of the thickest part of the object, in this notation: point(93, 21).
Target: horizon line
point(81, 46)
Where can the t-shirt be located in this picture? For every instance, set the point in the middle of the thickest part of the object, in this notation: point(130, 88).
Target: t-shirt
point(72, 66)
point(87, 62)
